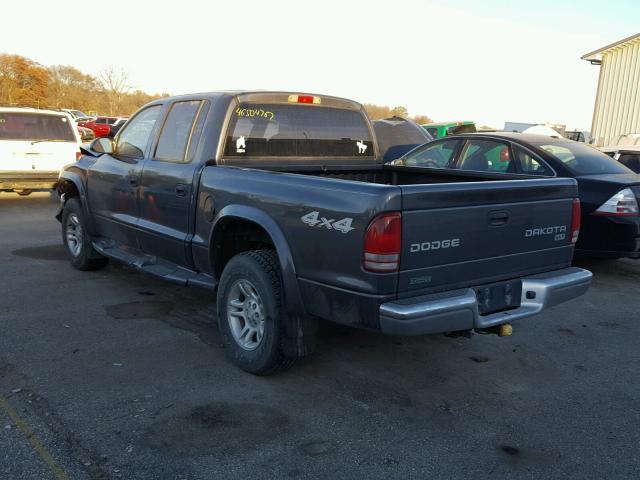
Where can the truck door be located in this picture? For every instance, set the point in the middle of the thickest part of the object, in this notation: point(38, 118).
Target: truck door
point(168, 187)
point(114, 179)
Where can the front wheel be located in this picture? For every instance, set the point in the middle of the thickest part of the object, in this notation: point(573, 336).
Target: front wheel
point(250, 312)
point(23, 193)
point(75, 238)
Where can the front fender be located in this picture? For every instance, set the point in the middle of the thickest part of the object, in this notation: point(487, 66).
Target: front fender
point(67, 179)
point(292, 297)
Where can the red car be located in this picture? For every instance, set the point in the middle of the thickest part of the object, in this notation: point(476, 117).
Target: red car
point(101, 126)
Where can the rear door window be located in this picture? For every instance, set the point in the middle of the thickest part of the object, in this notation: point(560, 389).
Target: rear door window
point(176, 132)
point(263, 130)
point(35, 126)
point(531, 165)
point(487, 156)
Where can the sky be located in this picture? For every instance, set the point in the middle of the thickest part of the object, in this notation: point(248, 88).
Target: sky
point(489, 61)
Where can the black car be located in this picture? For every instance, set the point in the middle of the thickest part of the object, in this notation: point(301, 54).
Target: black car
point(609, 191)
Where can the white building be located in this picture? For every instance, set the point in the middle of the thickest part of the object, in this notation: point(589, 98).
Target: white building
point(617, 108)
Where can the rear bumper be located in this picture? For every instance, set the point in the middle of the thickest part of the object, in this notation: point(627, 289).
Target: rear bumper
point(458, 310)
point(29, 180)
point(609, 237)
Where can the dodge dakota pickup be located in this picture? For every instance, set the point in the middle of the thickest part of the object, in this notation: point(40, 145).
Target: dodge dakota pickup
point(281, 203)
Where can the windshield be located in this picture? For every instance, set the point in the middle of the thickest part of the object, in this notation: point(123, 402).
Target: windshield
point(77, 113)
point(261, 130)
point(35, 126)
point(582, 159)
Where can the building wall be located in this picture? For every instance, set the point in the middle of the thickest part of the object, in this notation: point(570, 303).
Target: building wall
point(617, 109)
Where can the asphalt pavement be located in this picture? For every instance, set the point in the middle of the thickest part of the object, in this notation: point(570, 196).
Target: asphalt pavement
point(113, 374)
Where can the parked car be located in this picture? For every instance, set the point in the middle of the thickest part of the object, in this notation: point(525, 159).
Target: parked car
point(34, 146)
point(82, 120)
point(608, 190)
point(441, 130)
point(282, 203)
point(629, 156)
point(74, 113)
point(116, 126)
point(578, 136)
point(86, 134)
point(101, 126)
point(396, 136)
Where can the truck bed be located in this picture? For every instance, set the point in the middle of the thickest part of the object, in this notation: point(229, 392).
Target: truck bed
point(398, 175)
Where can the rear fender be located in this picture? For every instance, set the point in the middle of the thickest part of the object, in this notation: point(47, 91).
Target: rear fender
point(292, 297)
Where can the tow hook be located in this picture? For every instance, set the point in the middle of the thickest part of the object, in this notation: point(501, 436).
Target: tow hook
point(504, 330)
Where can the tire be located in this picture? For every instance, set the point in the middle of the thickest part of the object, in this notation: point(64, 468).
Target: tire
point(23, 193)
point(250, 312)
point(77, 243)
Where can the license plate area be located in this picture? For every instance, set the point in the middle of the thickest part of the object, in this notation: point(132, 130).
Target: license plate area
point(499, 296)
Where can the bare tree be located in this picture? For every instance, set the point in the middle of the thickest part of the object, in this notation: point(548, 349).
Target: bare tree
point(115, 83)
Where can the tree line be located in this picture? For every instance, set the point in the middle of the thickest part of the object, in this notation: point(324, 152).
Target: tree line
point(377, 112)
point(27, 83)
point(24, 82)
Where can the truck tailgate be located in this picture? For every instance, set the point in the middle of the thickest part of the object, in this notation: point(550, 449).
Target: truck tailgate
point(465, 234)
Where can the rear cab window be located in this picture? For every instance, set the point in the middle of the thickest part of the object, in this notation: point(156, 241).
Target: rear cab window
point(36, 126)
point(297, 131)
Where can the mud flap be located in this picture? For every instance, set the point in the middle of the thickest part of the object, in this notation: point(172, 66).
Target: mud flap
point(299, 337)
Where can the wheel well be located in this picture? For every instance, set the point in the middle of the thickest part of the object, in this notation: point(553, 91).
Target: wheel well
point(234, 236)
point(68, 188)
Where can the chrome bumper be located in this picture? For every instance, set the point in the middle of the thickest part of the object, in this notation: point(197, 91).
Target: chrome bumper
point(458, 310)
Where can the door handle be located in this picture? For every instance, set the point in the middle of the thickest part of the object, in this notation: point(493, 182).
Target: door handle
point(181, 190)
point(133, 180)
point(500, 217)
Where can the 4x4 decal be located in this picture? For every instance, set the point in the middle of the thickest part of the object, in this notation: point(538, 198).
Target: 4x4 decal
point(314, 219)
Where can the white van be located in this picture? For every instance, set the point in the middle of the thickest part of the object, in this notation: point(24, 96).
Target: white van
point(34, 146)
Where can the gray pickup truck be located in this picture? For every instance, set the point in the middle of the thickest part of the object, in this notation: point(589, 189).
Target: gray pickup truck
point(281, 202)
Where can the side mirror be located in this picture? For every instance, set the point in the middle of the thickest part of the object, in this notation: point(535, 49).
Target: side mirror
point(102, 145)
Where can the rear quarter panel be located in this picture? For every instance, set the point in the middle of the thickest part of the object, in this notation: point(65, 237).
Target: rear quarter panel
point(320, 254)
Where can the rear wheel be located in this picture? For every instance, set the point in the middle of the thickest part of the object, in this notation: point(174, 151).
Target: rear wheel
point(75, 238)
point(250, 312)
point(23, 193)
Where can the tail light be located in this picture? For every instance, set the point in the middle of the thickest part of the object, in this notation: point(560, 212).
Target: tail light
point(78, 155)
point(622, 204)
point(575, 220)
point(382, 243)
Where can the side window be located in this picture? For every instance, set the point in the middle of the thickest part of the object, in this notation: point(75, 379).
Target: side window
point(133, 140)
point(487, 156)
point(433, 131)
point(438, 155)
point(198, 128)
point(176, 131)
point(529, 164)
